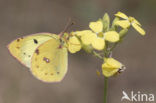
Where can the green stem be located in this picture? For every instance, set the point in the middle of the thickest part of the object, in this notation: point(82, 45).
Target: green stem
point(111, 49)
point(105, 89)
point(97, 55)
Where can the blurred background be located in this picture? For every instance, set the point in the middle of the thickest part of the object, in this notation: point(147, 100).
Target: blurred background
point(81, 84)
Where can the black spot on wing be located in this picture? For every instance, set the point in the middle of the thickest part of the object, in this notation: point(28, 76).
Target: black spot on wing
point(35, 41)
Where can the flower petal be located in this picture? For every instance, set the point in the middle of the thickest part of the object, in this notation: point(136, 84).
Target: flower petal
point(80, 33)
point(138, 28)
point(98, 43)
point(121, 15)
point(123, 23)
point(96, 26)
point(112, 36)
point(88, 38)
point(137, 22)
point(74, 44)
point(110, 67)
point(113, 63)
point(133, 20)
point(108, 71)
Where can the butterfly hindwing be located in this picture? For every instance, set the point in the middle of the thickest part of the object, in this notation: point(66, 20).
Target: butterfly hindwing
point(49, 62)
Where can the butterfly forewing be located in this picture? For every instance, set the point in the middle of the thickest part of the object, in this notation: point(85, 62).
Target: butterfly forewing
point(23, 48)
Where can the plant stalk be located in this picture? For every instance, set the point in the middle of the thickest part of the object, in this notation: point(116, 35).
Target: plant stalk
point(105, 89)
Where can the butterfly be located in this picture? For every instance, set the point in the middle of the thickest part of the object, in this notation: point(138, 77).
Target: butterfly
point(43, 53)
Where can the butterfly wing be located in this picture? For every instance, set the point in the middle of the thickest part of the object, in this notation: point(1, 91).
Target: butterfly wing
point(23, 48)
point(49, 62)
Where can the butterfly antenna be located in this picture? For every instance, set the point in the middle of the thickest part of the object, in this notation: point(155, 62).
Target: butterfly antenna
point(68, 25)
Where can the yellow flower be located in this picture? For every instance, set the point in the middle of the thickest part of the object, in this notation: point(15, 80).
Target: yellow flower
point(111, 36)
point(73, 44)
point(96, 37)
point(129, 21)
point(110, 67)
point(97, 26)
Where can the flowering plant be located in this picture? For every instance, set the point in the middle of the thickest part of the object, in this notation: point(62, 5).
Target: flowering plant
point(101, 39)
